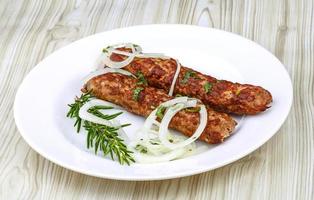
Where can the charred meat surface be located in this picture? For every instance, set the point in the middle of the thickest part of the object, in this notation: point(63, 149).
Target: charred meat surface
point(142, 100)
point(221, 95)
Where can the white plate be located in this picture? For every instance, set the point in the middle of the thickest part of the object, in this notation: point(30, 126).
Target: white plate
point(41, 101)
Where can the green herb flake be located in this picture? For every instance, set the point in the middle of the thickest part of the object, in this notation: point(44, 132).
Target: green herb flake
point(187, 76)
point(208, 87)
point(141, 148)
point(194, 109)
point(105, 50)
point(238, 92)
point(160, 112)
point(178, 95)
point(140, 78)
point(136, 93)
point(154, 143)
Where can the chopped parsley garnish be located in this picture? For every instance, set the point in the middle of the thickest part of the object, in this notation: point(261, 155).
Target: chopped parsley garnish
point(154, 142)
point(187, 76)
point(208, 87)
point(136, 93)
point(178, 95)
point(105, 50)
point(141, 148)
point(194, 109)
point(140, 78)
point(160, 112)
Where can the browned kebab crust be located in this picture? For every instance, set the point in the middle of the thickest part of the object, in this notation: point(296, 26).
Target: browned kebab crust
point(224, 96)
point(119, 88)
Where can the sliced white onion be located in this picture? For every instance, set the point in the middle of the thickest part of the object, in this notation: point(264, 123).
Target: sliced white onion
point(99, 64)
point(239, 124)
point(175, 77)
point(136, 51)
point(156, 123)
point(125, 53)
point(175, 101)
point(154, 132)
point(120, 64)
point(155, 149)
point(163, 129)
point(121, 132)
point(150, 120)
point(143, 158)
point(191, 103)
point(104, 71)
point(165, 150)
point(152, 55)
point(113, 64)
point(157, 152)
point(103, 58)
point(193, 150)
point(135, 48)
point(99, 102)
point(85, 115)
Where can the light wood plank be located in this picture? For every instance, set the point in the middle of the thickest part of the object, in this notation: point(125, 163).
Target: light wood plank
point(283, 168)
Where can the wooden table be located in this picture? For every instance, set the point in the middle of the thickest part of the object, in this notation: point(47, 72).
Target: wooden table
point(283, 168)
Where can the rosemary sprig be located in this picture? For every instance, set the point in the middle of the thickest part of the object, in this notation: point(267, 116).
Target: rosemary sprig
point(75, 108)
point(100, 137)
point(106, 139)
point(95, 111)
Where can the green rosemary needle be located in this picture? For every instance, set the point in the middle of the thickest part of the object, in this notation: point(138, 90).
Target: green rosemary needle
point(75, 108)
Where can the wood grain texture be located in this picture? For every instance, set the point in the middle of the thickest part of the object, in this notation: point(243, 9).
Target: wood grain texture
point(283, 168)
